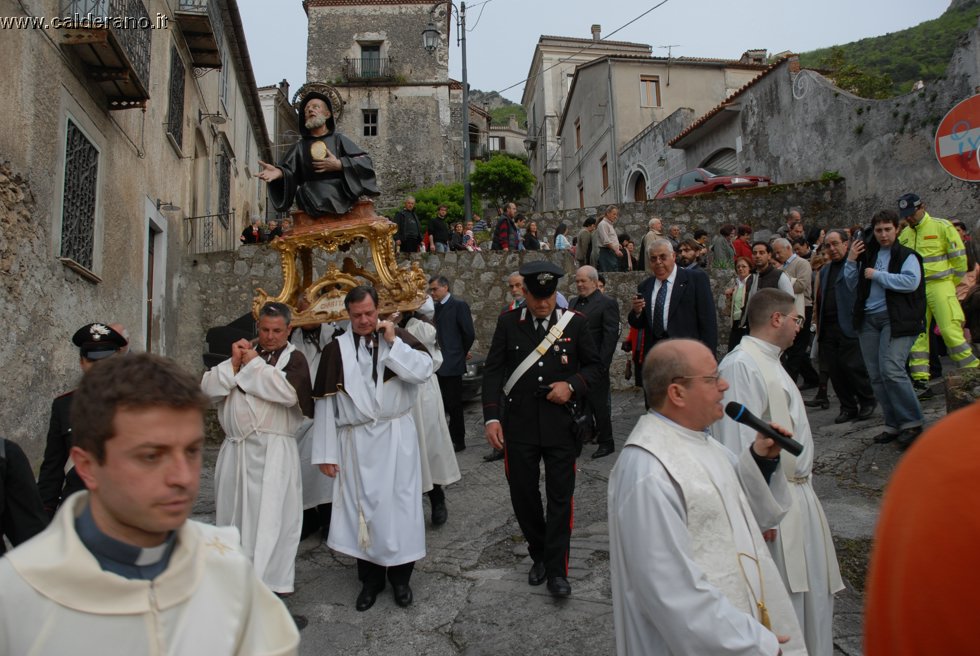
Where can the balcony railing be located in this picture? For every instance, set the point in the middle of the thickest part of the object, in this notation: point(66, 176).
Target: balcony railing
point(212, 233)
point(368, 68)
point(112, 38)
point(203, 29)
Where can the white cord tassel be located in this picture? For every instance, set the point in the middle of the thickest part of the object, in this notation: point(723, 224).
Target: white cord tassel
point(363, 539)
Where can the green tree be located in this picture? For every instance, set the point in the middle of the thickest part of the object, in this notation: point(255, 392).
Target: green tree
point(501, 179)
point(853, 79)
point(428, 200)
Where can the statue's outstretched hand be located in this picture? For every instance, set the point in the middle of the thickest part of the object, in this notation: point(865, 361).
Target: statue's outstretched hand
point(269, 173)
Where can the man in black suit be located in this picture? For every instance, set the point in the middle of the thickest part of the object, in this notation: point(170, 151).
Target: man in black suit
point(673, 302)
point(56, 482)
point(602, 314)
point(454, 328)
point(524, 399)
point(839, 349)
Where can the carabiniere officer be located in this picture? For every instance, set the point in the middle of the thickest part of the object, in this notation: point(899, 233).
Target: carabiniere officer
point(532, 420)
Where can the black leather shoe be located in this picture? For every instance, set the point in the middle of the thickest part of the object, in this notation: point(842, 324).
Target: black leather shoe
point(493, 456)
point(819, 401)
point(605, 448)
point(403, 595)
point(885, 438)
point(845, 415)
point(367, 597)
point(459, 447)
point(866, 411)
point(439, 514)
point(804, 386)
point(907, 436)
point(537, 574)
point(558, 586)
point(922, 390)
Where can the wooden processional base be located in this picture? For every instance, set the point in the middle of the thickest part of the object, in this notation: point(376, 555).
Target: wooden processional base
point(322, 300)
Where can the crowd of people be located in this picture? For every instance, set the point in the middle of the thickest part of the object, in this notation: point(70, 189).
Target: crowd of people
point(718, 541)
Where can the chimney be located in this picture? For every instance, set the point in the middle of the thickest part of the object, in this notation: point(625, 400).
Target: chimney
point(756, 56)
point(596, 32)
point(794, 63)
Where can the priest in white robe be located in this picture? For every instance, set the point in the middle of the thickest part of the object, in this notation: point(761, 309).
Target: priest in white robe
point(317, 488)
point(802, 548)
point(264, 402)
point(439, 465)
point(364, 435)
point(689, 568)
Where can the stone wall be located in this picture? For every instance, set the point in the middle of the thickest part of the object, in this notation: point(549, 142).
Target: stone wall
point(764, 209)
point(219, 287)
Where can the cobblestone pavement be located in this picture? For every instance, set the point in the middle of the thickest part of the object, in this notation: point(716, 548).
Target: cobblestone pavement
point(471, 592)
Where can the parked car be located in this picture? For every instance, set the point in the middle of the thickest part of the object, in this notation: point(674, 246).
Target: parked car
point(703, 181)
point(473, 378)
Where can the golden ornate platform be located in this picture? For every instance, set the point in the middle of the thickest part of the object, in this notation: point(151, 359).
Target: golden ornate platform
point(317, 301)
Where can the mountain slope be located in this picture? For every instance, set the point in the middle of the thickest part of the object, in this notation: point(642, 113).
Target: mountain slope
point(917, 53)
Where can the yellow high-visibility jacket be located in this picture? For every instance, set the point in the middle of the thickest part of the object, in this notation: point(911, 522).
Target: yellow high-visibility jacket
point(939, 244)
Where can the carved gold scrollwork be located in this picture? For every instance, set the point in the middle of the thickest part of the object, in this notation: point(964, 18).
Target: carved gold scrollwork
point(317, 301)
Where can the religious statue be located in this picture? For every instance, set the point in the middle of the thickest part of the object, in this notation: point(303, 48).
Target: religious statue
point(324, 172)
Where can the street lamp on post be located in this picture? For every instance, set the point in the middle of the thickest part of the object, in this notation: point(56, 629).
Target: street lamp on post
point(430, 39)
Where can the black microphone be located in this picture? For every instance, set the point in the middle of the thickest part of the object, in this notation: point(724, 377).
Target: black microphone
point(741, 414)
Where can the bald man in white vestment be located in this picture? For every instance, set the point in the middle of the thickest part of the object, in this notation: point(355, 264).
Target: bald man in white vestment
point(689, 567)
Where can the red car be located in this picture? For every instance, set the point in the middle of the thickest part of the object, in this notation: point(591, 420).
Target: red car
point(703, 181)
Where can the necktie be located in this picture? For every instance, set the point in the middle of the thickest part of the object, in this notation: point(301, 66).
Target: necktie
point(658, 311)
point(542, 329)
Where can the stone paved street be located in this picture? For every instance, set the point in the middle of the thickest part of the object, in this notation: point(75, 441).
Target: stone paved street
point(471, 592)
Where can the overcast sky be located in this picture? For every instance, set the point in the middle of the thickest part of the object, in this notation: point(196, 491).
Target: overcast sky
point(501, 34)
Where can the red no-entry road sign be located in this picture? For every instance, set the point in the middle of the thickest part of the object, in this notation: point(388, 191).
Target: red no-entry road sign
point(958, 140)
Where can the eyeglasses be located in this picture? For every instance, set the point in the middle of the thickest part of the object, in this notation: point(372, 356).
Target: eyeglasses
point(713, 378)
point(798, 319)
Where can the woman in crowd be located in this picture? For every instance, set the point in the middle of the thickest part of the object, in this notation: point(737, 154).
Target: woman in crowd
point(531, 241)
point(628, 261)
point(818, 259)
point(561, 241)
point(457, 240)
point(735, 295)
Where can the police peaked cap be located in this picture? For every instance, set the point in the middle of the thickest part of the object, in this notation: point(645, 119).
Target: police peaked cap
point(98, 340)
point(541, 278)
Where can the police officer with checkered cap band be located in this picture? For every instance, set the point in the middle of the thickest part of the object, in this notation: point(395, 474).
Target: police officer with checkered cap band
point(531, 421)
point(57, 479)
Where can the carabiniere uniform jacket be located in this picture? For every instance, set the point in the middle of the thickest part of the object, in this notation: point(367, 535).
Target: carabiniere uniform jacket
point(525, 414)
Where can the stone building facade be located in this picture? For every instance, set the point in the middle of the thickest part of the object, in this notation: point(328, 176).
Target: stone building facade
point(399, 101)
point(549, 79)
point(100, 174)
point(793, 124)
point(614, 98)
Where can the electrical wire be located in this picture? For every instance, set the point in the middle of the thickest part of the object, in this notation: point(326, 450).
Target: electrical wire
point(588, 47)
